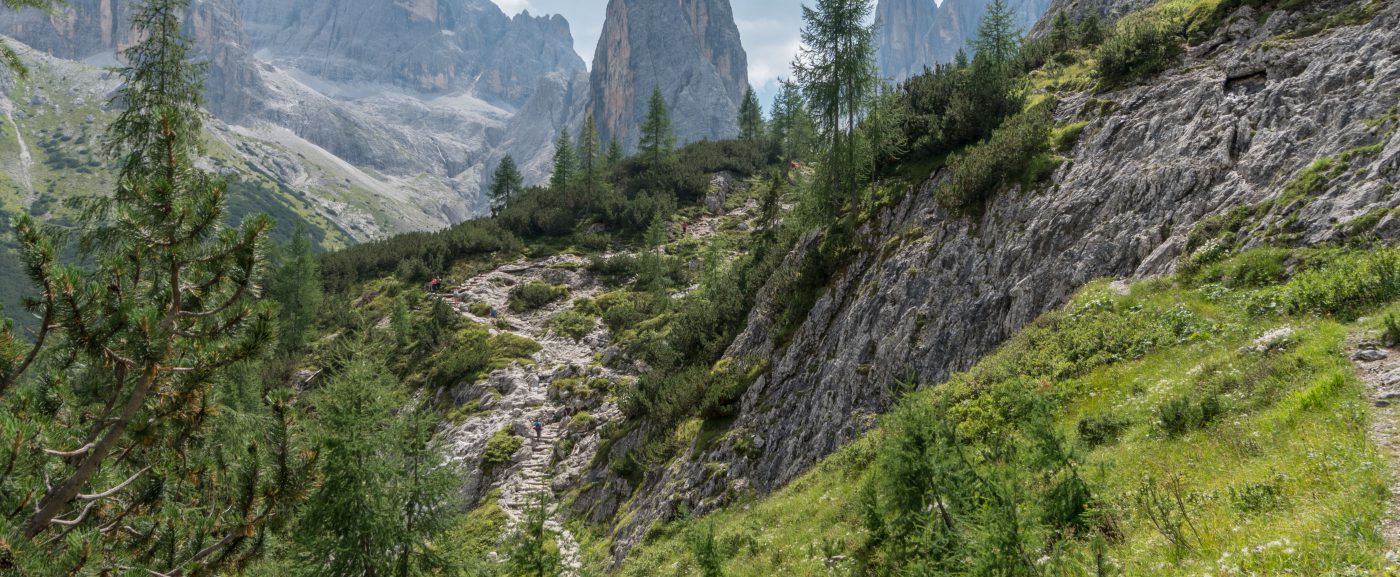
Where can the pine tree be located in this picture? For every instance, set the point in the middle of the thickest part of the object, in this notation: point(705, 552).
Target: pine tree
point(658, 143)
point(995, 82)
point(591, 162)
point(792, 128)
point(751, 117)
point(565, 164)
point(836, 69)
point(136, 350)
point(296, 285)
point(1061, 32)
point(426, 496)
point(506, 184)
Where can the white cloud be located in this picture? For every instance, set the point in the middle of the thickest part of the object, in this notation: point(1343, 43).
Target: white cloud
point(513, 7)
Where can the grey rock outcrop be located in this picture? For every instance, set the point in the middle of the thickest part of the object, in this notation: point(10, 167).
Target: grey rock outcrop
point(689, 48)
point(915, 34)
point(1244, 116)
point(427, 46)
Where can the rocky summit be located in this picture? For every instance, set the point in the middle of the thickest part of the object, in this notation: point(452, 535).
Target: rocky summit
point(690, 49)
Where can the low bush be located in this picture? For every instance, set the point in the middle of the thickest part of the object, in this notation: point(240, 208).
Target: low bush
point(534, 295)
point(1347, 286)
point(1182, 415)
point(573, 324)
point(500, 448)
point(1098, 430)
point(983, 170)
point(1391, 335)
point(511, 347)
point(1140, 45)
point(480, 309)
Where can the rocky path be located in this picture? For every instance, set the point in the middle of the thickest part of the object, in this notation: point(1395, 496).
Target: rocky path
point(523, 388)
point(1380, 370)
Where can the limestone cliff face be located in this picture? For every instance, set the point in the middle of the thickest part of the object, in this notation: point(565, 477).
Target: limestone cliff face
point(429, 46)
point(914, 34)
point(689, 48)
point(99, 30)
point(1232, 126)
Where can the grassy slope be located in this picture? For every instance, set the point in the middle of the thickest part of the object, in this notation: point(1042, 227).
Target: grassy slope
point(1284, 480)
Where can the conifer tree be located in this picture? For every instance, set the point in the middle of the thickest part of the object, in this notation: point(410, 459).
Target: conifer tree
point(591, 161)
point(565, 164)
point(296, 285)
point(750, 117)
point(792, 127)
point(135, 351)
point(615, 155)
point(658, 143)
point(836, 69)
point(506, 183)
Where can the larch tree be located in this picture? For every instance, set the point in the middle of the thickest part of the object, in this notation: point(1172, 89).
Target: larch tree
point(837, 72)
point(296, 286)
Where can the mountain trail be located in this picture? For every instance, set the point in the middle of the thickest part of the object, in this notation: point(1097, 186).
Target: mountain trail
point(1379, 368)
point(524, 388)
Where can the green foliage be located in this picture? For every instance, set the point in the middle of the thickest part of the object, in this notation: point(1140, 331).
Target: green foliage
point(1098, 430)
point(1182, 415)
point(1064, 138)
point(658, 140)
point(1346, 286)
point(565, 164)
point(501, 447)
point(1391, 336)
point(296, 285)
point(751, 127)
point(511, 347)
point(535, 295)
point(709, 554)
point(532, 551)
point(1141, 45)
point(479, 309)
point(425, 253)
point(380, 504)
point(983, 170)
point(137, 353)
point(506, 184)
point(573, 324)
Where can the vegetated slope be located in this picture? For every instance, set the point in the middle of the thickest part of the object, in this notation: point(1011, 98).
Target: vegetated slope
point(1271, 130)
point(1214, 422)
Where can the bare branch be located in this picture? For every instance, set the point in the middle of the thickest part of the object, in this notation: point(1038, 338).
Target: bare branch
point(78, 452)
point(116, 489)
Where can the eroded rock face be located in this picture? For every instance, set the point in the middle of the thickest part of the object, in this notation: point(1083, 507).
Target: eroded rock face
point(428, 46)
point(915, 34)
point(1244, 116)
point(689, 48)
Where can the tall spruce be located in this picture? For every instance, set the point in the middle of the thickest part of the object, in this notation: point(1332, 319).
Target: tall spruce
point(506, 184)
point(751, 118)
point(791, 126)
point(615, 155)
point(658, 142)
point(836, 68)
point(134, 350)
point(565, 164)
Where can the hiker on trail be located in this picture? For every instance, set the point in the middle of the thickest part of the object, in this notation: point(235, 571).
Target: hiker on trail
point(538, 428)
point(433, 286)
point(493, 312)
point(685, 227)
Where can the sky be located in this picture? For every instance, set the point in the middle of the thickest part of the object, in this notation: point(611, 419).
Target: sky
point(770, 30)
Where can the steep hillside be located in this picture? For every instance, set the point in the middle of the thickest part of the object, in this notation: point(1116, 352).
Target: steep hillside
point(1276, 128)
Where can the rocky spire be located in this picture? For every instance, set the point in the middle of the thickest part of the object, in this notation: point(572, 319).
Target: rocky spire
point(689, 48)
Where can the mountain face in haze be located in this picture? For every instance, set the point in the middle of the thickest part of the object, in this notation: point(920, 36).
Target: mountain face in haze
point(689, 48)
point(389, 115)
point(428, 46)
point(915, 34)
